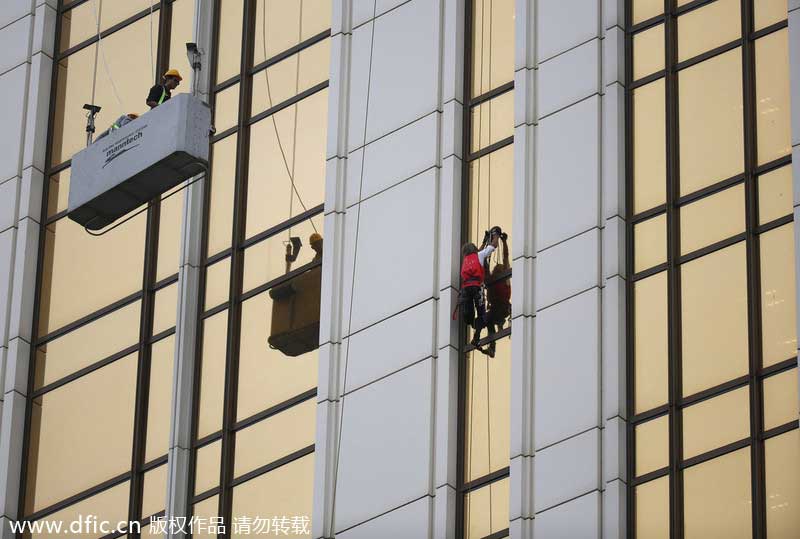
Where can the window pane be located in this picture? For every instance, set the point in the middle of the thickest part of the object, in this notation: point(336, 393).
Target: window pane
point(780, 399)
point(714, 319)
point(155, 491)
point(650, 243)
point(280, 188)
point(646, 9)
point(710, 26)
point(165, 309)
point(162, 360)
point(218, 276)
point(226, 108)
point(486, 509)
point(782, 456)
point(648, 52)
point(712, 423)
point(215, 331)
point(108, 335)
point(774, 130)
point(206, 510)
point(288, 490)
point(652, 509)
point(492, 121)
point(774, 194)
point(229, 41)
point(275, 437)
point(493, 173)
point(652, 445)
point(487, 408)
point(710, 116)
point(493, 44)
point(223, 175)
point(169, 234)
point(769, 12)
point(717, 497)
point(712, 219)
point(267, 376)
point(86, 425)
point(182, 32)
point(649, 146)
point(650, 342)
point(778, 304)
point(207, 471)
point(80, 23)
point(282, 27)
point(110, 505)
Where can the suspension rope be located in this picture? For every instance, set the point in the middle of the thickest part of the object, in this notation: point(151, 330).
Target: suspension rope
point(152, 55)
point(103, 58)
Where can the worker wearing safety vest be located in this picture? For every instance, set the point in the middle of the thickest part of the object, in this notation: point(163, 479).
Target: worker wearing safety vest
point(162, 92)
point(122, 120)
point(472, 277)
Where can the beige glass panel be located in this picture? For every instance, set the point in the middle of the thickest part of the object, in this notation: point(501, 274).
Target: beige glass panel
point(162, 359)
point(773, 107)
point(492, 121)
point(652, 509)
point(275, 437)
point(266, 376)
point(110, 266)
point(782, 457)
point(169, 232)
point(206, 510)
point(486, 509)
point(646, 9)
point(226, 108)
point(110, 505)
point(769, 12)
point(218, 276)
point(714, 319)
point(223, 176)
point(286, 491)
point(316, 18)
point(492, 44)
point(710, 26)
point(712, 219)
point(716, 422)
point(774, 194)
point(266, 260)
point(710, 116)
point(165, 309)
point(487, 433)
point(155, 491)
point(650, 243)
point(280, 25)
point(282, 189)
point(652, 445)
point(650, 342)
point(780, 399)
point(291, 76)
point(80, 23)
point(717, 497)
point(648, 52)
point(58, 192)
point(229, 41)
point(208, 460)
point(215, 331)
point(182, 32)
point(123, 80)
point(649, 147)
point(85, 425)
point(778, 304)
point(492, 173)
point(82, 347)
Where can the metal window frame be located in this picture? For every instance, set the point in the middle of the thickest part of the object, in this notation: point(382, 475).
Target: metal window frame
point(753, 380)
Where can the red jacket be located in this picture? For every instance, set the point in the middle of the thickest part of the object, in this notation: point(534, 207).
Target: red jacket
point(471, 271)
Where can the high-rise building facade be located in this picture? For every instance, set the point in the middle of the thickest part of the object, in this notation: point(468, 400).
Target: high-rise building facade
point(275, 347)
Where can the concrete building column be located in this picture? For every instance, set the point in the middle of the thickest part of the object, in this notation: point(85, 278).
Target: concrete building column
point(27, 31)
point(386, 431)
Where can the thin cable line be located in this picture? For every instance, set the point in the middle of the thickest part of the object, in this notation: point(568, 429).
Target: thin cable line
point(103, 58)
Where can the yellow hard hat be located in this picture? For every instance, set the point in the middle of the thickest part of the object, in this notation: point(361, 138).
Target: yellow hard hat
point(173, 73)
point(314, 238)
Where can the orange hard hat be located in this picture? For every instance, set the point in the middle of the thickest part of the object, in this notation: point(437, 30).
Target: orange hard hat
point(173, 73)
point(314, 238)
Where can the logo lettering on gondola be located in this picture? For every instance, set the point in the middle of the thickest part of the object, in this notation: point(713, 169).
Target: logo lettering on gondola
point(123, 146)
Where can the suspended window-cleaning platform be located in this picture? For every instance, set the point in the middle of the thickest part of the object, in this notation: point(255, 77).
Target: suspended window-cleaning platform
point(139, 161)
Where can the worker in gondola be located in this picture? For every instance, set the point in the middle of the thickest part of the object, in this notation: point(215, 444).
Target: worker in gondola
point(162, 92)
point(473, 308)
point(122, 120)
point(316, 244)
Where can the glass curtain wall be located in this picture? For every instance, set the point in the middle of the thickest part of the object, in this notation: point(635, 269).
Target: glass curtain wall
point(714, 448)
point(97, 427)
point(485, 382)
point(255, 416)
